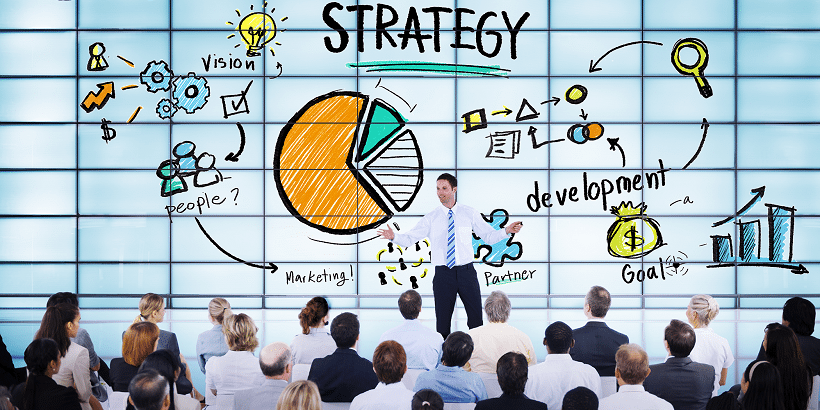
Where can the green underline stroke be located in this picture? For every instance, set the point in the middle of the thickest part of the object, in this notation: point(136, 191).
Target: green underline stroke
point(429, 67)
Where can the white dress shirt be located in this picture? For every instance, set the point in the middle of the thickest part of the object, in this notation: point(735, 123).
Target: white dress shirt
point(75, 372)
point(493, 340)
point(633, 397)
point(421, 344)
point(393, 396)
point(549, 381)
point(434, 226)
point(236, 370)
point(712, 349)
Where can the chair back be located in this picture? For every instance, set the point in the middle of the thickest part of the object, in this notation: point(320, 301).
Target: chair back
point(491, 384)
point(300, 372)
point(335, 406)
point(117, 400)
point(459, 406)
point(410, 377)
point(609, 385)
point(815, 393)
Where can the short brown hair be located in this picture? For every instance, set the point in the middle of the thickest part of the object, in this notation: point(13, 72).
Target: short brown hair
point(410, 304)
point(138, 342)
point(599, 300)
point(389, 361)
point(240, 332)
point(680, 337)
point(632, 363)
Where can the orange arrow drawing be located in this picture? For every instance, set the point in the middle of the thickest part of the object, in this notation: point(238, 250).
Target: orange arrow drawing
point(98, 100)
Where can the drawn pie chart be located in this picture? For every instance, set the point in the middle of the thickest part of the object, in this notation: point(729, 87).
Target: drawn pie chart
point(344, 164)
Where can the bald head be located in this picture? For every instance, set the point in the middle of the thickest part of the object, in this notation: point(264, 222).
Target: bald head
point(274, 360)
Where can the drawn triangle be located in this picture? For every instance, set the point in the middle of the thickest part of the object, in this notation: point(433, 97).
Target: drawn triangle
point(383, 122)
point(526, 112)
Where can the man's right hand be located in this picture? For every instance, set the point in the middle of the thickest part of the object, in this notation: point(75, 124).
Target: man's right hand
point(387, 233)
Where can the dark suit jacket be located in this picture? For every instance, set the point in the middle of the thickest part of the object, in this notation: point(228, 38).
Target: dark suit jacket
point(48, 395)
point(686, 384)
point(809, 346)
point(343, 375)
point(8, 374)
point(595, 345)
point(506, 402)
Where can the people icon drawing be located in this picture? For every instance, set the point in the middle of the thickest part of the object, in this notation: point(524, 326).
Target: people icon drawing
point(185, 153)
point(186, 163)
point(206, 172)
point(96, 60)
point(172, 183)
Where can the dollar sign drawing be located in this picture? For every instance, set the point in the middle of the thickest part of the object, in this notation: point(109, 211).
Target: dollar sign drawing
point(635, 240)
point(108, 132)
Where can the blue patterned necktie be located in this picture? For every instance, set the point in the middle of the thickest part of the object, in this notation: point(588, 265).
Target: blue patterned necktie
point(451, 240)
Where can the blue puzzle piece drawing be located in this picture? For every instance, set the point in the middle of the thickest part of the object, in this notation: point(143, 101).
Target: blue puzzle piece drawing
point(496, 254)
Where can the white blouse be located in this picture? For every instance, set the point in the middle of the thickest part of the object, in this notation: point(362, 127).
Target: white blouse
point(74, 371)
point(713, 349)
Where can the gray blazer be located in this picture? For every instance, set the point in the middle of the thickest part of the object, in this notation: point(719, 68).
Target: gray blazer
point(686, 384)
point(259, 398)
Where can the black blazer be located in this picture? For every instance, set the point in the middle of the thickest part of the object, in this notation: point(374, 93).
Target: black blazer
point(8, 374)
point(595, 345)
point(121, 374)
point(343, 375)
point(506, 402)
point(686, 384)
point(48, 395)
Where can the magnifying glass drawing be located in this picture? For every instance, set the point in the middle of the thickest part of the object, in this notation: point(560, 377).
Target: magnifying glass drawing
point(696, 69)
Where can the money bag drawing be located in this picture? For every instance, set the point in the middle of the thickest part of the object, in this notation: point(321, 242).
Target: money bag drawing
point(633, 234)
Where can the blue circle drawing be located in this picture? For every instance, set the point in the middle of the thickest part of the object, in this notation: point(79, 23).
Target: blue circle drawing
point(191, 92)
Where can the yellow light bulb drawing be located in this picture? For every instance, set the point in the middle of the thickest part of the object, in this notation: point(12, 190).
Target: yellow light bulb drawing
point(257, 29)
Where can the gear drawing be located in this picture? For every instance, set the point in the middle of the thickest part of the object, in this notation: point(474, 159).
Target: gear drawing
point(166, 108)
point(191, 92)
point(157, 76)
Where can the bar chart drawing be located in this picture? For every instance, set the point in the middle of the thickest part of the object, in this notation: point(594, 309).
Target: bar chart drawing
point(779, 245)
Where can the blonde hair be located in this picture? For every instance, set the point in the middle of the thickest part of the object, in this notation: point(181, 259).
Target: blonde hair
point(240, 332)
point(705, 307)
point(300, 395)
point(149, 304)
point(219, 309)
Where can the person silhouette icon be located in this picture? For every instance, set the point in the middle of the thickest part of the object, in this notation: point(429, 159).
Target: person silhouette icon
point(96, 61)
point(414, 282)
point(206, 173)
point(172, 183)
point(382, 278)
point(185, 153)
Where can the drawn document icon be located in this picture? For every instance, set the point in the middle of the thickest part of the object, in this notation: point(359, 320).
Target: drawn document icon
point(504, 144)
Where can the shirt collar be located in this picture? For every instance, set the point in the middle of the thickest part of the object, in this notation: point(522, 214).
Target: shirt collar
point(446, 209)
point(397, 385)
point(558, 357)
point(316, 330)
point(444, 368)
point(595, 319)
point(631, 388)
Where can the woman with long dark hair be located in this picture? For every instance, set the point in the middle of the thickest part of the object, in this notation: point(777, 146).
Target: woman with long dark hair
point(40, 391)
point(783, 351)
point(762, 387)
point(315, 341)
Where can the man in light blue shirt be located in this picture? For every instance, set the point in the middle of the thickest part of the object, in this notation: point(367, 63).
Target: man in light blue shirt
point(448, 379)
point(421, 344)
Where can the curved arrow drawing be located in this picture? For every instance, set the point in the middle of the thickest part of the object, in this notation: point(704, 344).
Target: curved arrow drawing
point(705, 126)
point(99, 99)
point(235, 157)
point(593, 67)
point(270, 265)
point(553, 100)
point(758, 194)
point(613, 142)
point(279, 66)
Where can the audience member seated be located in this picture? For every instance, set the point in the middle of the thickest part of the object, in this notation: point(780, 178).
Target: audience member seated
point(314, 342)
point(275, 362)
point(300, 395)
point(497, 337)
point(149, 391)
point(390, 363)
point(631, 369)
point(139, 340)
point(60, 323)
point(449, 379)
point(40, 391)
point(422, 344)
point(211, 342)
point(9, 376)
point(549, 381)
point(166, 363)
point(427, 399)
point(710, 348)
point(5, 399)
point(344, 374)
point(783, 351)
point(686, 384)
point(580, 398)
point(762, 387)
point(84, 340)
point(725, 401)
point(799, 315)
point(238, 369)
point(152, 309)
point(595, 342)
point(512, 377)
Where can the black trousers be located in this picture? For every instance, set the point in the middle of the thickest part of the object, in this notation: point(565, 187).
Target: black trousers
point(460, 280)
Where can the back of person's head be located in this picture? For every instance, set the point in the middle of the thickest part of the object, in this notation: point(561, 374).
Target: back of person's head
point(764, 389)
point(63, 297)
point(139, 340)
point(632, 363)
point(704, 308)
point(5, 399)
point(166, 363)
point(511, 369)
point(497, 307)
point(558, 337)
point(427, 399)
point(148, 390)
point(41, 356)
point(300, 395)
point(219, 309)
point(345, 330)
point(783, 351)
point(55, 322)
point(800, 314)
point(274, 359)
point(313, 313)
point(580, 398)
point(680, 337)
point(725, 401)
point(149, 303)
point(410, 304)
point(457, 349)
point(449, 178)
point(240, 332)
point(599, 300)
point(389, 361)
